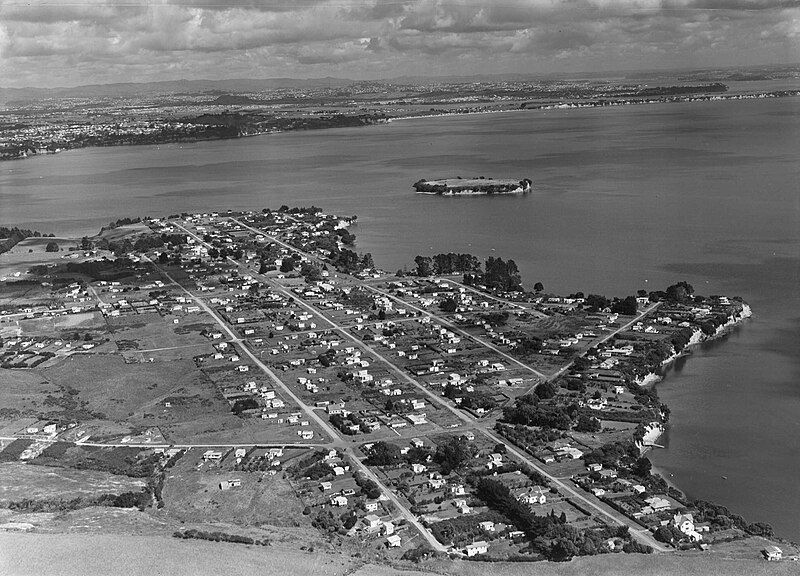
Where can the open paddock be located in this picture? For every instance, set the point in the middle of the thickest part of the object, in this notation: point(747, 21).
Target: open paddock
point(194, 495)
point(20, 481)
point(106, 384)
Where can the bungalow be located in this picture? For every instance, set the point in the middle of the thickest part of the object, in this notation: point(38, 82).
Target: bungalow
point(436, 483)
point(339, 501)
point(532, 495)
point(212, 455)
point(657, 503)
point(228, 484)
point(457, 490)
point(393, 541)
point(461, 506)
point(495, 461)
point(324, 486)
point(685, 523)
point(371, 505)
point(772, 553)
point(487, 526)
point(479, 547)
point(418, 468)
point(372, 522)
point(417, 419)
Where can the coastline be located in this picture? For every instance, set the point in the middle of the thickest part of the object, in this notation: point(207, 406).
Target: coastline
point(697, 338)
point(612, 103)
point(655, 432)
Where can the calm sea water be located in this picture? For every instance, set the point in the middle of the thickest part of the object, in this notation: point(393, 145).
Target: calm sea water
point(626, 198)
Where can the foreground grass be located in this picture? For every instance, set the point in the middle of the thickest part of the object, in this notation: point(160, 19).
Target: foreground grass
point(90, 555)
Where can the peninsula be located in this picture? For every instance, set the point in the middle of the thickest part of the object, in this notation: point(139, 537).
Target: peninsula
point(478, 185)
point(249, 378)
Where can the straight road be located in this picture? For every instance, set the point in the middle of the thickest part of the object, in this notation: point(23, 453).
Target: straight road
point(468, 420)
point(337, 440)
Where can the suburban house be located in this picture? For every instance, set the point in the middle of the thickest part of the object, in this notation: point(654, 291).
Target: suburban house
point(393, 541)
point(228, 484)
point(479, 547)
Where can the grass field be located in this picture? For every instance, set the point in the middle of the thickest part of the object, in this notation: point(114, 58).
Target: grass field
point(51, 325)
point(19, 481)
point(24, 392)
point(127, 391)
point(96, 555)
point(193, 496)
point(89, 555)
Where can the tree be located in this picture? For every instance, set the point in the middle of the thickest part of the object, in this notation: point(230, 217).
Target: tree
point(634, 547)
point(451, 455)
point(51, 247)
point(538, 287)
point(310, 272)
point(628, 306)
point(545, 390)
point(642, 467)
point(383, 454)
point(448, 305)
point(663, 534)
point(86, 244)
point(596, 302)
point(287, 265)
point(679, 292)
point(245, 404)
point(587, 424)
point(563, 550)
point(424, 265)
point(502, 275)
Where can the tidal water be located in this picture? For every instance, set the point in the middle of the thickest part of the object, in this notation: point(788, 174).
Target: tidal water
point(625, 198)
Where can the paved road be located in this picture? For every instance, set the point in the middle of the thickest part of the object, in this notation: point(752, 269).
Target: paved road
point(406, 304)
point(337, 441)
point(565, 486)
point(518, 305)
point(605, 338)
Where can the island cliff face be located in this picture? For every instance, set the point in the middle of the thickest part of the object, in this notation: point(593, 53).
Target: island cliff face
point(466, 186)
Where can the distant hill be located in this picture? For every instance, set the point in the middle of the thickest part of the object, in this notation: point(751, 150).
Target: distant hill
point(233, 100)
point(123, 89)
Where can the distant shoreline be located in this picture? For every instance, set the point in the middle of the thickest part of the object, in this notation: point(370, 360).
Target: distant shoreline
point(596, 103)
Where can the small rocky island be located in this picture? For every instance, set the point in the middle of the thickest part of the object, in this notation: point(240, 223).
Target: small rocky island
point(467, 186)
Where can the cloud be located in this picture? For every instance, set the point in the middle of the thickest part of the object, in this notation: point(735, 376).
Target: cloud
point(47, 43)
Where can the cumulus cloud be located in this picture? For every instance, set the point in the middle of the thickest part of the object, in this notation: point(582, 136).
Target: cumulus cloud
point(46, 43)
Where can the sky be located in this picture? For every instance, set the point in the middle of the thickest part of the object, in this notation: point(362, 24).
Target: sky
point(76, 42)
